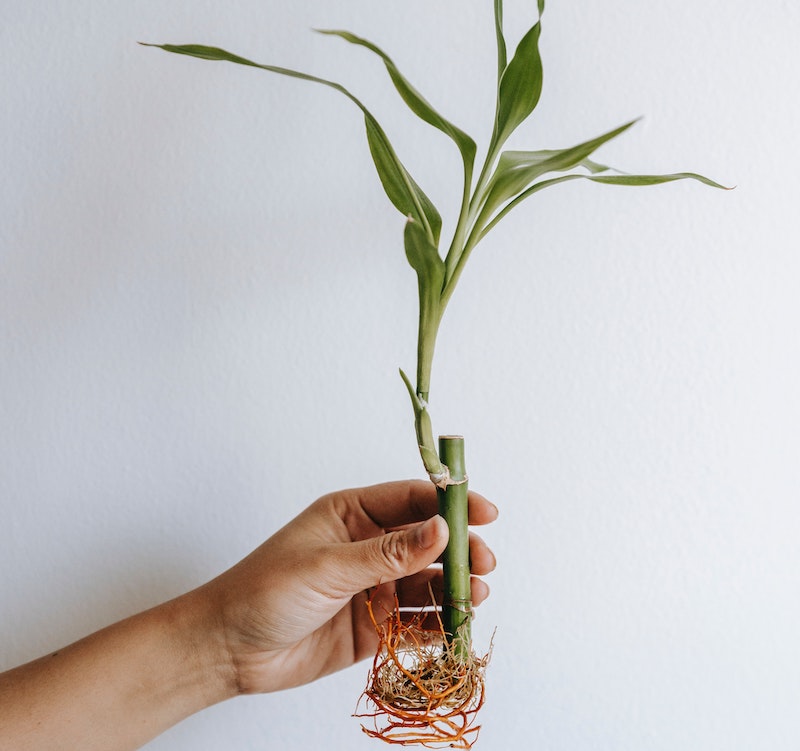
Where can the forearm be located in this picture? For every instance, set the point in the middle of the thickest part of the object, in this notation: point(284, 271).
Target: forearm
point(120, 687)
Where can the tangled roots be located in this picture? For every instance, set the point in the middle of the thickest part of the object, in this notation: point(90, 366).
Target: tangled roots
point(419, 690)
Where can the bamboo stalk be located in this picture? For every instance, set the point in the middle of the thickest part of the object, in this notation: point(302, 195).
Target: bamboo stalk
point(457, 603)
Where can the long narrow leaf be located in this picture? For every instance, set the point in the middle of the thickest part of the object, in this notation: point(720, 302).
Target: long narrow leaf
point(629, 180)
point(416, 102)
point(520, 87)
point(640, 180)
point(502, 54)
point(539, 156)
point(401, 189)
point(516, 170)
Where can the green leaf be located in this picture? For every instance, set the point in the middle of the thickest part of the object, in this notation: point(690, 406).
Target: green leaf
point(416, 102)
point(642, 180)
point(516, 170)
point(629, 180)
point(424, 430)
point(520, 87)
point(425, 260)
point(593, 166)
point(423, 257)
point(401, 189)
point(502, 54)
point(430, 268)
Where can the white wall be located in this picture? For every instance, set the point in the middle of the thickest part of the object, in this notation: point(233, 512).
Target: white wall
point(204, 300)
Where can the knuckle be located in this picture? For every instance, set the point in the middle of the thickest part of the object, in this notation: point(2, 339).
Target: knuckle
point(393, 551)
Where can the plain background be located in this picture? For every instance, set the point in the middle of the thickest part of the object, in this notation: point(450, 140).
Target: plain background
point(204, 302)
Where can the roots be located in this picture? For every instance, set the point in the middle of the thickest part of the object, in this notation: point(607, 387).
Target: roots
point(419, 691)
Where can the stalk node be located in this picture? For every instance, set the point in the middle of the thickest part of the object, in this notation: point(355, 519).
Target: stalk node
point(441, 479)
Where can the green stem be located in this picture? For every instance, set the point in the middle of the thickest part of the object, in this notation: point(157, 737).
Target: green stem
point(457, 603)
point(461, 225)
point(426, 344)
point(466, 219)
point(452, 281)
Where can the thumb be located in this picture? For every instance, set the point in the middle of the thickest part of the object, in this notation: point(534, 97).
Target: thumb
point(393, 555)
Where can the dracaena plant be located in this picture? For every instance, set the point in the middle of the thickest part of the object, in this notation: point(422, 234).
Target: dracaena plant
point(506, 178)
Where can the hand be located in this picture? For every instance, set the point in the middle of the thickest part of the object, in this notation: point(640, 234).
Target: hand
point(294, 609)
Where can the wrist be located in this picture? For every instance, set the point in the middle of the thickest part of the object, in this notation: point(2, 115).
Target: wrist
point(196, 625)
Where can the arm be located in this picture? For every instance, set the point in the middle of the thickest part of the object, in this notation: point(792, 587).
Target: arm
point(292, 611)
point(121, 686)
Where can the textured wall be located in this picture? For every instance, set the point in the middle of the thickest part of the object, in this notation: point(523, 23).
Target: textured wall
point(204, 300)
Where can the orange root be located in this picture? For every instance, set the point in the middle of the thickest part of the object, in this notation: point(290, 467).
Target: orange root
point(418, 690)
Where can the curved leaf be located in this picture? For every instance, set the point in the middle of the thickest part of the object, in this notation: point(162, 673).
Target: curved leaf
point(594, 167)
point(416, 102)
point(520, 87)
point(424, 430)
point(630, 180)
point(516, 170)
point(401, 189)
point(640, 180)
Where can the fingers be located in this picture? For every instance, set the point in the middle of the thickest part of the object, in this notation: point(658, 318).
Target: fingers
point(394, 504)
point(481, 558)
point(481, 510)
point(415, 539)
point(415, 591)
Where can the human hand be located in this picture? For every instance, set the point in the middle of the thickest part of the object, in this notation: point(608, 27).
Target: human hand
point(292, 611)
point(295, 609)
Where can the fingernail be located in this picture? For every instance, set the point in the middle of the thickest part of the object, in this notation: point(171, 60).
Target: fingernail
point(427, 532)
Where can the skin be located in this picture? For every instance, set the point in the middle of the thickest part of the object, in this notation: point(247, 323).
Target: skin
point(290, 612)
